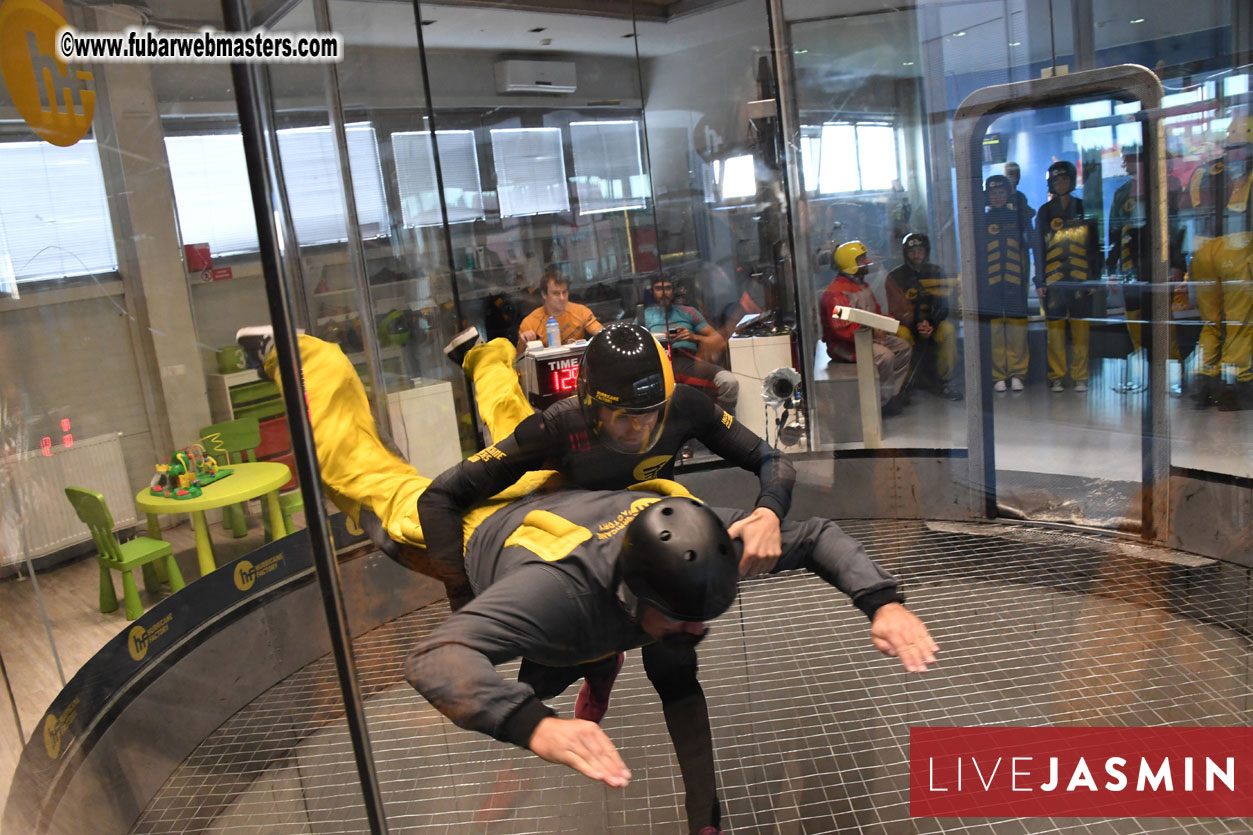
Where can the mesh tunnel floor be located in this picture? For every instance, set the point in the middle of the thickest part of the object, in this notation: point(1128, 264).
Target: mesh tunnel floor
point(811, 724)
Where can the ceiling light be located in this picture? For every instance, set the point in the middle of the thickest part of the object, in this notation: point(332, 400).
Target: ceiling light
point(802, 52)
point(908, 64)
point(959, 34)
point(1138, 20)
point(537, 29)
point(1015, 43)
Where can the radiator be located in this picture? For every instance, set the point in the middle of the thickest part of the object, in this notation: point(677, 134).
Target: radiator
point(47, 522)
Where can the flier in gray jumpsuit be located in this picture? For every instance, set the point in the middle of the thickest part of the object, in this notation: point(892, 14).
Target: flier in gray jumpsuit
point(543, 571)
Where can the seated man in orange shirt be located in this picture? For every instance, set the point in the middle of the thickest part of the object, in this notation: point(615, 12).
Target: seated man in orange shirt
point(575, 321)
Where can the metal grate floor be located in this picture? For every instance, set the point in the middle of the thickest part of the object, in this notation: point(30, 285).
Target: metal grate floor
point(811, 724)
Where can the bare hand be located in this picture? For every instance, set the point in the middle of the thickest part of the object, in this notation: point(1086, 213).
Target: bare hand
point(762, 543)
point(682, 335)
point(527, 336)
point(582, 746)
point(924, 329)
point(898, 632)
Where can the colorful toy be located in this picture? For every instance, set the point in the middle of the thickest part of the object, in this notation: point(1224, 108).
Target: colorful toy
point(189, 471)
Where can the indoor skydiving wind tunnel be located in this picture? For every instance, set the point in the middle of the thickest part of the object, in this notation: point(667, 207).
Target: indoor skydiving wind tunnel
point(1072, 526)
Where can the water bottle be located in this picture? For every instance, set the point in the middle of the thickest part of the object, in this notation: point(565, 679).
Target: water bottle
point(554, 332)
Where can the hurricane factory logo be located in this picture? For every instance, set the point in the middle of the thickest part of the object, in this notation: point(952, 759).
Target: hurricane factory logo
point(140, 638)
point(1055, 224)
point(58, 101)
point(619, 523)
point(246, 573)
point(994, 229)
point(650, 467)
point(56, 727)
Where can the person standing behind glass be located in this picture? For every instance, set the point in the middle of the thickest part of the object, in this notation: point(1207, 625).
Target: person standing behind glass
point(1129, 250)
point(1221, 264)
point(1002, 245)
point(1067, 266)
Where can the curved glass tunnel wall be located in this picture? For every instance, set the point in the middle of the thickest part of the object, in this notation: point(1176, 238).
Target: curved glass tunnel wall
point(865, 107)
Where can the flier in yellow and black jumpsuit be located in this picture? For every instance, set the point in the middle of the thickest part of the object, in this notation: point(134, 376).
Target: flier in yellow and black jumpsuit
point(1004, 262)
point(1222, 270)
point(1067, 270)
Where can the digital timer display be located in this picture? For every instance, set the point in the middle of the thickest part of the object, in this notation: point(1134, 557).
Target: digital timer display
point(563, 379)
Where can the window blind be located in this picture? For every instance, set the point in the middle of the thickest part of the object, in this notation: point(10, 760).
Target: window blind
point(608, 168)
point(530, 171)
point(214, 203)
point(314, 187)
point(54, 218)
point(415, 176)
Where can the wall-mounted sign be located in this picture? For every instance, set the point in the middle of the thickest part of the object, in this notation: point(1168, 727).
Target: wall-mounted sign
point(57, 101)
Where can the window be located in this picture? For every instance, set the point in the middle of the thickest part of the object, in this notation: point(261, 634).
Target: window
point(415, 175)
point(608, 169)
point(315, 188)
point(840, 157)
point(211, 192)
point(54, 219)
point(214, 203)
point(530, 171)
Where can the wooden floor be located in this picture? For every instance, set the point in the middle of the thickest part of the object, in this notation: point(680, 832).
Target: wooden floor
point(70, 596)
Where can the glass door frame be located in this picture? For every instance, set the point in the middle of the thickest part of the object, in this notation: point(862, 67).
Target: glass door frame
point(971, 120)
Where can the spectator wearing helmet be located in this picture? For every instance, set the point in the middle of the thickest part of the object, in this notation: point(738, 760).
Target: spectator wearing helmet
point(686, 331)
point(626, 425)
point(1222, 270)
point(924, 316)
point(567, 580)
point(891, 353)
point(1066, 275)
point(1003, 266)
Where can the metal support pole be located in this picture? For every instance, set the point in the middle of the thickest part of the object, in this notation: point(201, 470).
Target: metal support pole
point(356, 254)
point(260, 149)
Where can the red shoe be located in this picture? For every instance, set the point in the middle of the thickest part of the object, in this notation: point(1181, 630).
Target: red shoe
point(710, 830)
point(593, 701)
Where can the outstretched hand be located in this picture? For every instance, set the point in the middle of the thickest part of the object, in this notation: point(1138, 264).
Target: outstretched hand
point(763, 545)
point(580, 745)
point(898, 632)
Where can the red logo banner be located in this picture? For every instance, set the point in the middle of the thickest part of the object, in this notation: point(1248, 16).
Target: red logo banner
point(1081, 772)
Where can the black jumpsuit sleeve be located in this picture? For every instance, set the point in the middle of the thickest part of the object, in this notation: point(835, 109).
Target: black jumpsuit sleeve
point(730, 440)
point(459, 488)
point(454, 668)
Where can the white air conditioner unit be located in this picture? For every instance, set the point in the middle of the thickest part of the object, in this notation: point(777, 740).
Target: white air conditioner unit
point(516, 76)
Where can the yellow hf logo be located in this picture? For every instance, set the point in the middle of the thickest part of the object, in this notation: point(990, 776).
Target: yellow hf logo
point(57, 101)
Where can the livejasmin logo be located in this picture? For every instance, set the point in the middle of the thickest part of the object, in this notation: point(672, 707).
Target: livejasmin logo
point(1020, 772)
point(1081, 772)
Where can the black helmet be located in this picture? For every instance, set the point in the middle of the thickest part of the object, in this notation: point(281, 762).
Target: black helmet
point(1062, 167)
point(677, 557)
point(998, 181)
point(916, 239)
point(625, 370)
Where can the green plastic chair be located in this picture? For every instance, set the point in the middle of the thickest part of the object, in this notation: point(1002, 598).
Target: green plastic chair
point(140, 552)
point(233, 441)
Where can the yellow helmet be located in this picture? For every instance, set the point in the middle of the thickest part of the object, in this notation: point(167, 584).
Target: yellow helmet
point(846, 257)
point(1240, 131)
